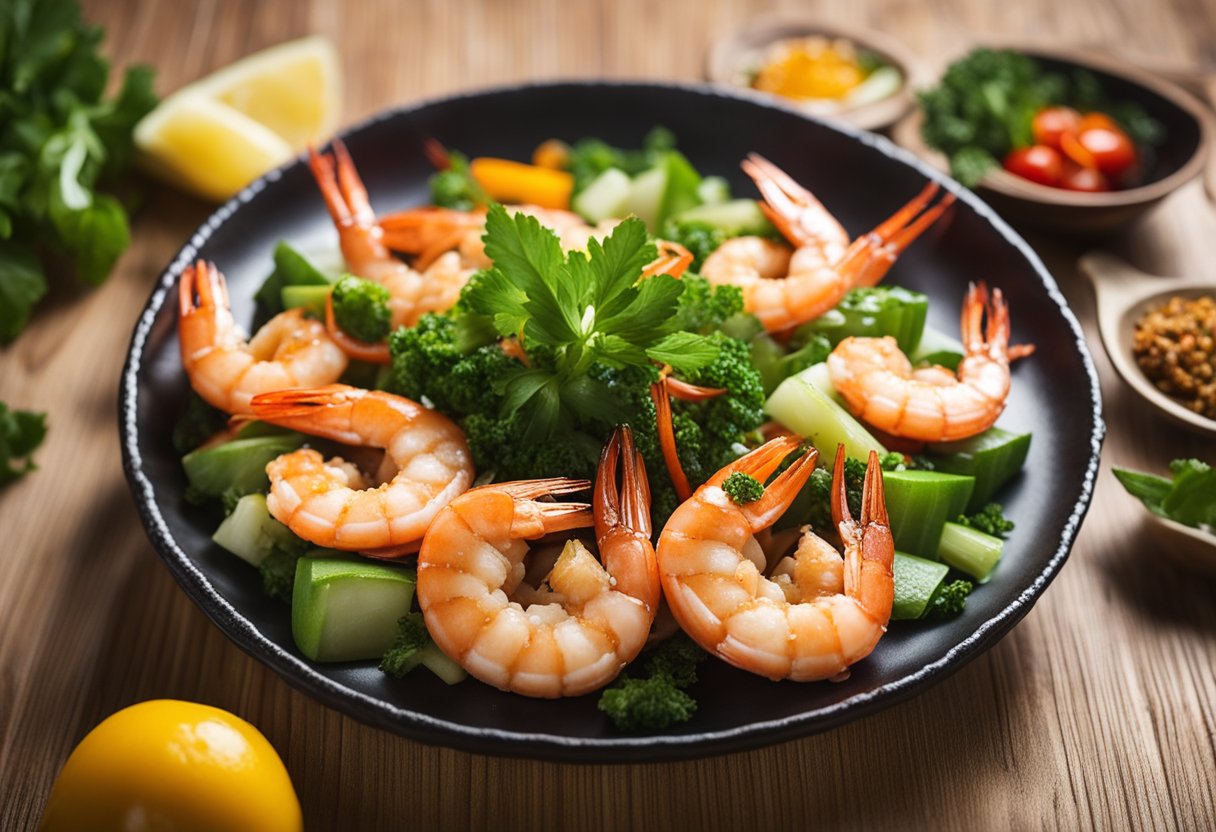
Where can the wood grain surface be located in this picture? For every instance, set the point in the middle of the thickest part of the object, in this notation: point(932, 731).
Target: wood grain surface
point(1097, 711)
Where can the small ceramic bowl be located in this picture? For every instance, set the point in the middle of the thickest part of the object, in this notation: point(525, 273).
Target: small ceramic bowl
point(1123, 295)
point(731, 56)
point(1180, 158)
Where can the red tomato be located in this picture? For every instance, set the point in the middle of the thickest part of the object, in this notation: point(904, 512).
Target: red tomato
point(1037, 163)
point(1078, 178)
point(1050, 122)
point(1111, 149)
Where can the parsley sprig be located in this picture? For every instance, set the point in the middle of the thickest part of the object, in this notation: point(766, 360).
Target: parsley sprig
point(572, 311)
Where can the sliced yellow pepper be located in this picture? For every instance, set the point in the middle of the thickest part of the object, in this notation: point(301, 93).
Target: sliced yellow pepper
point(515, 182)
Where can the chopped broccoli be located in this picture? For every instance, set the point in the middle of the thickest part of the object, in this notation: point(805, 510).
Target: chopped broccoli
point(657, 700)
point(743, 488)
point(454, 187)
point(700, 238)
point(893, 462)
point(361, 309)
point(279, 573)
point(819, 487)
point(198, 423)
point(990, 519)
point(703, 307)
point(406, 652)
point(949, 601)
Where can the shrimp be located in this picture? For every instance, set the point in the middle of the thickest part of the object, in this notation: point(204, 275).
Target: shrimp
point(930, 404)
point(430, 232)
point(569, 640)
point(412, 293)
point(290, 350)
point(330, 502)
point(819, 613)
point(786, 288)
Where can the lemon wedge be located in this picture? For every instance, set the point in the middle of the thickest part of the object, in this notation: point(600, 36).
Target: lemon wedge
point(218, 134)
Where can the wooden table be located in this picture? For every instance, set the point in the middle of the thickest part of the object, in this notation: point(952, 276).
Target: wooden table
point(1096, 711)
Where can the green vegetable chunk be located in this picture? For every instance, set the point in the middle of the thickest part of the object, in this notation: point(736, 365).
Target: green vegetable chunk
point(734, 219)
point(993, 457)
point(21, 432)
point(743, 488)
point(237, 467)
point(413, 647)
point(309, 298)
point(970, 550)
point(250, 533)
point(291, 268)
point(804, 403)
point(872, 313)
point(656, 700)
point(361, 309)
point(604, 198)
point(347, 610)
point(916, 583)
point(919, 503)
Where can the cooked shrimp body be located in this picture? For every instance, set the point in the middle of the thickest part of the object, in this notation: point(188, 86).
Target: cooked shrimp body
point(785, 288)
point(430, 231)
point(589, 618)
point(413, 292)
point(930, 404)
point(290, 350)
point(330, 502)
point(818, 613)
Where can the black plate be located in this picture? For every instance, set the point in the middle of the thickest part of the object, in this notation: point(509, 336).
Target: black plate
point(862, 179)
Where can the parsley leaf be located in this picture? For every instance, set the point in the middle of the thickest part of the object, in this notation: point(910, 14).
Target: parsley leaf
point(21, 431)
point(574, 311)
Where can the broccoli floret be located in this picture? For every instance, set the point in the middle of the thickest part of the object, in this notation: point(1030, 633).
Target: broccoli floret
point(700, 238)
point(406, 652)
point(657, 700)
point(279, 574)
point(432, 359)
point(703, 307)
point(950, 600)
point(454, 187)
point(820, 487)
point(990, 519)
point(361, 309)
point(893, 462)
point(743, 488)
point(646, 705)
point(197, 424)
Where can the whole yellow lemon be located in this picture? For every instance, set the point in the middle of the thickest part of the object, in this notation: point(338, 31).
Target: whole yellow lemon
point(170, 766)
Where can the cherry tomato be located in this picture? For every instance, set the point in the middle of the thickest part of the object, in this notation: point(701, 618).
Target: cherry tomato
point(1079, 178)
point(1038, 163)
point(1112, 150)
point(1050, 122)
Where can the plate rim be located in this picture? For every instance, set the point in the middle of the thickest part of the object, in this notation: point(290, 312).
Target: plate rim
point(538, 745)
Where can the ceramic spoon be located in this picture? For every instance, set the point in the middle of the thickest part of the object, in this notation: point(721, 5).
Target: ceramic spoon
point(1124, 294)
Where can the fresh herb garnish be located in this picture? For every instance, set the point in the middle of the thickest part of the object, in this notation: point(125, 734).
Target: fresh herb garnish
point(1189, 497)
point(59, 138)
point(579, 309)
point(21, 431)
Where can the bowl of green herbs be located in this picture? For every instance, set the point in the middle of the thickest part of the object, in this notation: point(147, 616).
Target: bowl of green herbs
point(1061, 139)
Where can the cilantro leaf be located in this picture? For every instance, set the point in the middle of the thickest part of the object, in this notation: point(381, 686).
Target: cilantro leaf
point(22, 285)
point(21, 431)
point(617, 264)
point(685, 351)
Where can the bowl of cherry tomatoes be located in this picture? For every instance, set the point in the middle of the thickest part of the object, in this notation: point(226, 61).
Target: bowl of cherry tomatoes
point(1062, 139)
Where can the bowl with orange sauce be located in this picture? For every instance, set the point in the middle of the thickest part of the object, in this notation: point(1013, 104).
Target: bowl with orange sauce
point(856, 76)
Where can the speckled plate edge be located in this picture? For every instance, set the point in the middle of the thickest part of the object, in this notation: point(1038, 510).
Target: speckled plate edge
point(428, 729)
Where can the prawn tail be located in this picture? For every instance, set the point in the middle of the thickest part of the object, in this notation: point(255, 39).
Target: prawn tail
point(427, 232)
point(302, 401)
point(778, 494)
point(201, 279)
point(547, 487)
point(871, 255)
point(760, 462)
point(998, 327)
point(627, 505)
point(785, 201)
point(869, 545)
point(674, 259)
